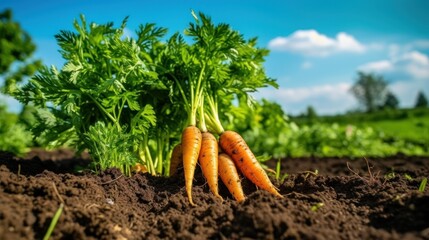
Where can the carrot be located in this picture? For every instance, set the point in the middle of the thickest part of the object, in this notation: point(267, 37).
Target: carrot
point(235, 146)
point(209, 161)
point(229, 176)
point(139, 168)
point(176, 159)
point(191, 144)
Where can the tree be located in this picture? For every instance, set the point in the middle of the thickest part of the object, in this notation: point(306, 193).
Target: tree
point(311, 114)
point(370, 90)
point(16, 50)
point(391, 101)
point(421, 101)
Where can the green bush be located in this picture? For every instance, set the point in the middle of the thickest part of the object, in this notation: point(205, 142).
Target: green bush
point(14, 137)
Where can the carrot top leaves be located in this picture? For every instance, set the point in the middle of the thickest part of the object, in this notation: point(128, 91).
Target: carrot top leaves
point(233, 66)
point(139, 93)
point(101, 94)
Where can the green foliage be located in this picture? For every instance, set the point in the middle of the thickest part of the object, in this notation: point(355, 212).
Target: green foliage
point(16, 49)
point(391, 101)
point(269, 133)
point(336, 140)
point(421, 101)
point(113, 148)
point(364, 117)
point(311, 114)
point(127, 100)
point(370, 90)
point(107, 80)
point(217, 66)
point(403, 126)
point(265, 127)
point(14, 137)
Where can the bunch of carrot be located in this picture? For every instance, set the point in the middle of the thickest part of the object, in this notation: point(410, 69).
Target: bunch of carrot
point(219, 64)
point(224, 158)
point(203, 148)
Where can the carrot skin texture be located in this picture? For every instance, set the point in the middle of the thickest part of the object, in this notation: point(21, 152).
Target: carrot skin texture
point(208, 159)
point(191, 145)
point(235, 146)
point(176, 159)
point(229, 176)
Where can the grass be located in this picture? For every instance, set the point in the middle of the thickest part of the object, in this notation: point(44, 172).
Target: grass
point(423, 183)
point(317, 206)
point(54, 222)
point(56, 215)
point(280, 177)
point(414, 129)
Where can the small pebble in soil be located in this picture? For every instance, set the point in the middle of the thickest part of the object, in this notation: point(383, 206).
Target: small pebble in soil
point(109, 201)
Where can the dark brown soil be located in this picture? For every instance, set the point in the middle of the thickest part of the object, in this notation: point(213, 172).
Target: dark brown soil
point(339, 202)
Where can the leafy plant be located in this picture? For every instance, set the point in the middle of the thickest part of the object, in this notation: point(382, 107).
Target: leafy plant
point(16, 53)
point(127, 100)
point(106, 92)
point(14, 137)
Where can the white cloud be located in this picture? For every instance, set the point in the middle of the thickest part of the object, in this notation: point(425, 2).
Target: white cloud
point(313, 43)
point(413, 64)
point(416, 64)
point(418, 44)
point(326, 99)
point(378, 66)
point(306, 65)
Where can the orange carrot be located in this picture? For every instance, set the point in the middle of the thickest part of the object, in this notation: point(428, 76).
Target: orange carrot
point(176, 159)
point(209, 161)
point(229, 176)
point(139, 168)
point(191, 144)
point(235, 146)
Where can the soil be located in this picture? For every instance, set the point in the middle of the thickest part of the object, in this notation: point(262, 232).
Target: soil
point(324, 198)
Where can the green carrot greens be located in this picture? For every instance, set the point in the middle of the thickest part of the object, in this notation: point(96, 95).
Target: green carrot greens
point(126, 100)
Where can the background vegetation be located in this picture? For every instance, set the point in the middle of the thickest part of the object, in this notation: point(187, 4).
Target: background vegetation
point(379, 128)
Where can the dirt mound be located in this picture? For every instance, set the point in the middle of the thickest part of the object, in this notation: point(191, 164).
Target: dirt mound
point(341, 201)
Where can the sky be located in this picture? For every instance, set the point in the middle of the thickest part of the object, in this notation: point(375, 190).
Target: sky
point(316, 47)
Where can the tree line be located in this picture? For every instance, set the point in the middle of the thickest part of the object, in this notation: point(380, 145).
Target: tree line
point(372, 92)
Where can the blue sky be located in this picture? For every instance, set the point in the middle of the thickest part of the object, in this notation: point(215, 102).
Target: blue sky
point(317, 47)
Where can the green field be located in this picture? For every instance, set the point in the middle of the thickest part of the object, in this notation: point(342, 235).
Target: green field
point(406, 124)
point(414, 129)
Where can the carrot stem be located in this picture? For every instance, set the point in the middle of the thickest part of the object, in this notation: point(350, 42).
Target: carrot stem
point(196, 95)
point(213, 115)
point(202, 122)
point(160, 147)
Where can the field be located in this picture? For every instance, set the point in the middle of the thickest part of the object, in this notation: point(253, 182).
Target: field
point(336, 198)
point(412, 129)
point(410, 125)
